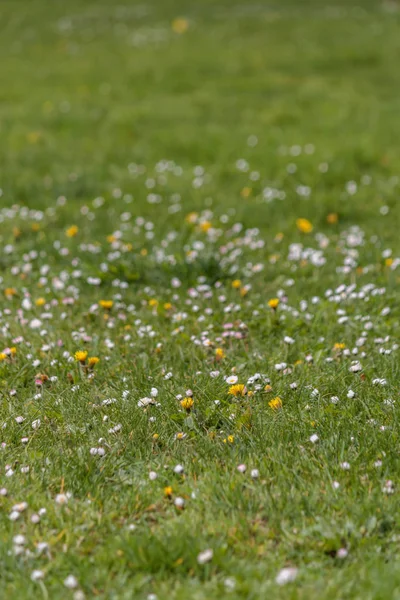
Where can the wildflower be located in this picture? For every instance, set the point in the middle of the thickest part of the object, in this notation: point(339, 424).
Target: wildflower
point(232, 379)
point(187, 403)
point(205, 226)
point(286, 575)
point(179, 502)
point(168, 491)
point(3, 356)
point(180, 436)
point(93, 360)
point(205, 556)
point(231, 439)
point(219, 354)
point(10, 292)
point(72, 231)
point(167, 306)
point(71, 582)
point(275, 403)
point(106, 304)
point(236, 284)
point(191, 218)
point(268, 388)
point(180, 25)
point(273, 303)
point(238, 389)
point(40, 302)
point(81, 356)
point(153, 303)
point(314, 438)
point(332, 218)
point(339, 346)
point(241, 468)
point(255, 473)
point(304, 225)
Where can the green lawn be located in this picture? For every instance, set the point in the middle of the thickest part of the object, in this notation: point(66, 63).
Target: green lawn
point(158, 155)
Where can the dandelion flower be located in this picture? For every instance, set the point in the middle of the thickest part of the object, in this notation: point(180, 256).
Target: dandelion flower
point(273, 303)
point(304, 225)
point(187, 403)
point(239, 389)
point(106, 304)
point(81, 355)
point(275, 403)
point(72, 231)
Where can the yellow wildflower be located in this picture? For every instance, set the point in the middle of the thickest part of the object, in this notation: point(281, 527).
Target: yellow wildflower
point(13, 351)
point(3, 356)
point(304, 225)
point(107, 304)
point(273, 303)
point(180, 25)
point(339, 346)
point(153, 302)
point(236, 284)
point(187, 403)
point(81, 355)
point(40, 302)
point(275, 403)
point(10, 292)
point(237, 390)
point(72, 231)
point(168, 491)
point(219, 354)
point(191, 218)
point(93, 360)
point(111, 238)
point(268, 388)
point(205, 226)
point(332, 218)
point(388, 262)
point(167, 306)
point(155, 436)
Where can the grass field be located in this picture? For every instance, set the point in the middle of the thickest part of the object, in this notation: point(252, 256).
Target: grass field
point(204, 197)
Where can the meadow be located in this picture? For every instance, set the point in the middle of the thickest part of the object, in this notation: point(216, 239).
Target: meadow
point(199, 270)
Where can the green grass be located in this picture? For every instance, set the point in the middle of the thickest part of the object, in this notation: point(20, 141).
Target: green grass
point(103, 105)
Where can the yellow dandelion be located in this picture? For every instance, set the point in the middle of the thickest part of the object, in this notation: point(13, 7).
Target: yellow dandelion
point(168, 491)
point(187, 403)
point(153, 303)
point(273, 303)
point(268, 388)
point(93, 360)
point(13, 351)
point(205, 226)
point(10, 292)
point(275, 403)
point(332, 218)
point(72, 231)
point(167, 306)
point(81, 355)
point(180, 25)
point(40, 302)
point(237, 390)
point(339, 346)
point(106, 304)
point(3, 356)
point(219, 354)
point(388, 262)
point(304, 225)
point(236, 284)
